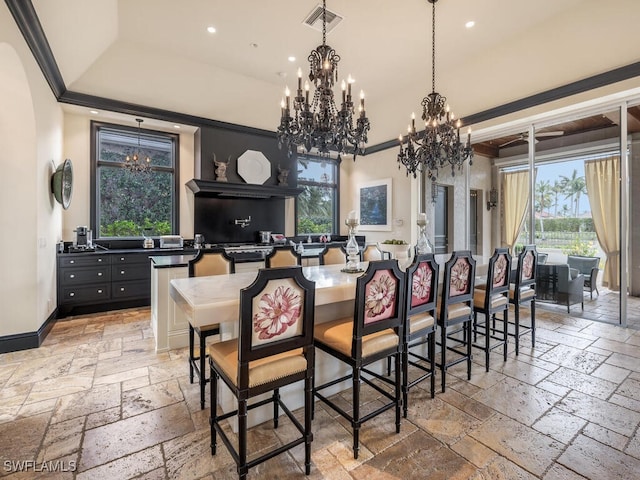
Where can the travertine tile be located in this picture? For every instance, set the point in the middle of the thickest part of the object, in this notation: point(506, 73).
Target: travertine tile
point(120, 410)
point(605, 414)
point(518, 400)
point(582, 382)
point(595, 460)
point(108, 443)
point(559, 425)
point(520, 444)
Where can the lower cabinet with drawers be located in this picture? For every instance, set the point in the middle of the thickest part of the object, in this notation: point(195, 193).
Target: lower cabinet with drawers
point(99, 281)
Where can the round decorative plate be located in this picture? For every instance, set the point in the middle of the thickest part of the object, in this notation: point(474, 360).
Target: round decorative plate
point(62, 183)
point(254, 167)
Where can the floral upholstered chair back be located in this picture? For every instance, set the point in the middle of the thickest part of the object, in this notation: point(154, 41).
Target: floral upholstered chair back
point(499, 270)
point(459, 278)
point(380, 298)
point(422, 279)
point(276, 313)
point(527, 265)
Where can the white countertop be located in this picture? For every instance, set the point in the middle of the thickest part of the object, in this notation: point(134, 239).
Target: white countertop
point(216, 298)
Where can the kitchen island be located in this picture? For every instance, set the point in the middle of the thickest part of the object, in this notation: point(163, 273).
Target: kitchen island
point(202, 299)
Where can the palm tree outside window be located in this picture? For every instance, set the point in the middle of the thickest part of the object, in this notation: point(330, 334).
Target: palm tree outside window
point(317, 207)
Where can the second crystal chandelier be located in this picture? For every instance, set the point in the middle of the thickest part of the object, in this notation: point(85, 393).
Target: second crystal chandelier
point(319, 124)
point(439, 144)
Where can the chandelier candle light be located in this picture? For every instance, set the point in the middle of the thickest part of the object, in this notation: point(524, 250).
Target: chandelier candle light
point(439, 144)
point(134, 163)
point(319, 124)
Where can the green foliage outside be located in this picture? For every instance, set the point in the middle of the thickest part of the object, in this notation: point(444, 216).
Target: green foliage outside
point(579, 247)
point(315, 210)
point(134, 204)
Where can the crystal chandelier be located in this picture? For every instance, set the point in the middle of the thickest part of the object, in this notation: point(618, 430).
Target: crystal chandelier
point(439, 144)
point(320, 124)
point(133, 162)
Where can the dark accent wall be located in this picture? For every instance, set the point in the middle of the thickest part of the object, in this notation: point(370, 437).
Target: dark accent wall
point(229, 145)
point(215, 217)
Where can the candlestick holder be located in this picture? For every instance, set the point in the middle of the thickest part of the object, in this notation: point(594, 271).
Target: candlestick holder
point(423, 245)
point(353, 251)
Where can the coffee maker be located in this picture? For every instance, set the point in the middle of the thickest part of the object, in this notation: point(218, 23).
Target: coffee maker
point(83, 241)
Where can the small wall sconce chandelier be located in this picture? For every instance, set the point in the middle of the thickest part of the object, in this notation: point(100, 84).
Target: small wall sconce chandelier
point(133, 162)
point(493, 199)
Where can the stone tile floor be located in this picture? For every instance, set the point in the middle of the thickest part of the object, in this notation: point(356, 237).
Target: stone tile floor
point(95, 401)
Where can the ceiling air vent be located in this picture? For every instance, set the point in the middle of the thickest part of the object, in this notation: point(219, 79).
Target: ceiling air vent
point(314, 19)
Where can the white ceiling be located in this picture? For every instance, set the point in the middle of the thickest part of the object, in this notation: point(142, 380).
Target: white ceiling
point(158, 53)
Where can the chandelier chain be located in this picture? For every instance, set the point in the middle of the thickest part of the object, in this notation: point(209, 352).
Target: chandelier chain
point(315, 121)
point(324, 22)
point(433, 47)
point(438, 145)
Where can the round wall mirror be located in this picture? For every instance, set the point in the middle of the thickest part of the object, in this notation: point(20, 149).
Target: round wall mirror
point(62, 183)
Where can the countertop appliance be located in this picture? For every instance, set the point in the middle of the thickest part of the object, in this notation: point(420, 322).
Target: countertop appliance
point(171, 241)
point(265, 237)
point(83, 241)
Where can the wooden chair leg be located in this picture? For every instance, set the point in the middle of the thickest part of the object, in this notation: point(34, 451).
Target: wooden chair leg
point(398, 390)
point(203, 357)
point(356, 412)
point(432, 361)
point(443, 355)
point(191, 352)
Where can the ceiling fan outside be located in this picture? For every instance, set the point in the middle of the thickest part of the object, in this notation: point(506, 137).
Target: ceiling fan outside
point(524, 137)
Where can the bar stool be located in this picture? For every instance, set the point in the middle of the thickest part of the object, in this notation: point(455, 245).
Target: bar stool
point(205, 263)
point(419, 328)
point(274, 349)
point(372, 252)
point(283, 256)
point(491, 299)
point(456, 309)
point(373, 333)
point(523, 292)
point(333, 255)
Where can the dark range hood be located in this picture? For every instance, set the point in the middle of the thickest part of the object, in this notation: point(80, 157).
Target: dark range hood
point(209, 188)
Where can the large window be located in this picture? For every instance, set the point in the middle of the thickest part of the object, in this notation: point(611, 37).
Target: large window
point(126, 204)
point(318, 205)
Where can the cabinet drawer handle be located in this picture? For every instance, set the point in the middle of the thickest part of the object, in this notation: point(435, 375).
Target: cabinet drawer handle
point(122, 259)
point(99, 290)
point(122, 289)
point(99, 260)
point(72, 276)
point(121, 272)
point(72, 294)
point(99, 274)
point(72, 261)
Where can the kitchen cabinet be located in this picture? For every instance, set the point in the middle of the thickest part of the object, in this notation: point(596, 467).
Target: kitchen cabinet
point(105, 280)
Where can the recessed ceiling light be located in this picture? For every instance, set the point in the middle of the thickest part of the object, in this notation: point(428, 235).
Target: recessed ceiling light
point(95, 112)
point(211, 29)
point(292, 58)
point(470, 24)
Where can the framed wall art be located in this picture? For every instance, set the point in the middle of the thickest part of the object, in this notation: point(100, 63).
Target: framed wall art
point(374, 205)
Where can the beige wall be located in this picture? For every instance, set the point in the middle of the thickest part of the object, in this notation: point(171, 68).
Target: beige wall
point(31, 139)
point(379, 166)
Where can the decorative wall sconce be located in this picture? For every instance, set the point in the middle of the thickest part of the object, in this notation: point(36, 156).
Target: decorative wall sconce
point(493, 199)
